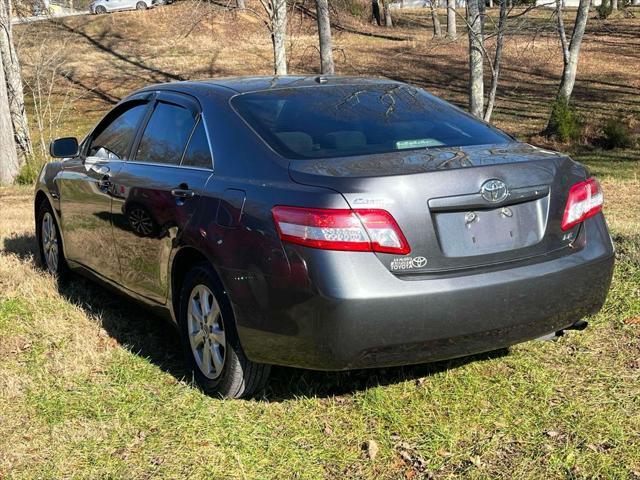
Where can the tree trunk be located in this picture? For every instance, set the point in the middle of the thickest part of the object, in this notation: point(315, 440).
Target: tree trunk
point(324, 35)
point(375, 13)
point(571, 52)
point(495, 71)
point(451, 19)
point(388, 21)
point(614, 4)
point(476, 67)
point(279, 35)
point(9, 165)
point(240, 4)
point(437, 29)
point(14, 83)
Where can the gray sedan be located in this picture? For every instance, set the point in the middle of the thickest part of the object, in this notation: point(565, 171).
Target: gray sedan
point(324, 222)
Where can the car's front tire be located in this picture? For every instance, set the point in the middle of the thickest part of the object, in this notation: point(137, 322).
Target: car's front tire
point(51, 254)
point(210, 339)
point(100, 10)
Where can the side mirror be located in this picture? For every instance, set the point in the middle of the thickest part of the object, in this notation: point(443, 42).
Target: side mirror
point(64, 147)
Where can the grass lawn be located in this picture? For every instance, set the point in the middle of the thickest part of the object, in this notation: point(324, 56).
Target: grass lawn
point(92, 386)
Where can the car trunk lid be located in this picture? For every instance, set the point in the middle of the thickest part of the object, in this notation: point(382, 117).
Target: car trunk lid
point(459, 207)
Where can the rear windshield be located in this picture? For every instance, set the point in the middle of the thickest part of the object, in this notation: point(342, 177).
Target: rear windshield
point(345, 120)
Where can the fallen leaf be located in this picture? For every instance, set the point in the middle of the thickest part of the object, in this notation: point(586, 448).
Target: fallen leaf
point(632, 321)
point(551, 433)
point(372, 449)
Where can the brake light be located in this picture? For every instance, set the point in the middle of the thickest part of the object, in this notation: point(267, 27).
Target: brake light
point(359, 230)
point(584, 201)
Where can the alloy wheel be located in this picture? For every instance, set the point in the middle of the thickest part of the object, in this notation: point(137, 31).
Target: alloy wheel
point(206, 331)
point(140, 221)
point(50, 242)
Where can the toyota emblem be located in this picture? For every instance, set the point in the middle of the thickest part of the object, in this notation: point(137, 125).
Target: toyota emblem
point(494, 191)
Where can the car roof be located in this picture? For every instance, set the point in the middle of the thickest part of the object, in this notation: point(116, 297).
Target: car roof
point(258, 83)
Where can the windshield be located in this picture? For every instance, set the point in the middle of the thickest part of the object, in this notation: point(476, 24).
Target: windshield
point(346, 120)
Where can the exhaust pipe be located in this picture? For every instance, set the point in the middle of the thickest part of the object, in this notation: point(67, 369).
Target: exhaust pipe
point(579, 325)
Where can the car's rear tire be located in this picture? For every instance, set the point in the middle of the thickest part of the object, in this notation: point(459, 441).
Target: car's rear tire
point(51, 254)
point(210, 339)
point(141, 6)
point(100, 10)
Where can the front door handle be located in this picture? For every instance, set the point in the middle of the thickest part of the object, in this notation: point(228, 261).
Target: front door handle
point(105, 182)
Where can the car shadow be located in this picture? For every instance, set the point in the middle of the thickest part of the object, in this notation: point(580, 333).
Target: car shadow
point(145, 334)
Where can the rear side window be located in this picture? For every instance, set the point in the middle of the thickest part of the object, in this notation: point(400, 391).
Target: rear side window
point(112, 141)
point(166, 134)
point(198, 153)
point(345, 120)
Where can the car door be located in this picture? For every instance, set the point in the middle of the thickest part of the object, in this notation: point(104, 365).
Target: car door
point(86, 189)
point(161, 186)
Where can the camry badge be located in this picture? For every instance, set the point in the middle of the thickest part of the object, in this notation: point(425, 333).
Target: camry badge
point(494, 191)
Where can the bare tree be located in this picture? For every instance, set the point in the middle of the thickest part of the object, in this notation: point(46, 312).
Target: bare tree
point(277, 24)
point(497, 58)
point(14, 83)
point(476, 63)
point(614, 5)
point(437, 29)
point(451, 19)
point(571, 49)
point(324, 36)
point(388, 21)
point(9, 166)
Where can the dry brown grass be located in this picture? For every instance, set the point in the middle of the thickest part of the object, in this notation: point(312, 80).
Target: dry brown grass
point(107, 57)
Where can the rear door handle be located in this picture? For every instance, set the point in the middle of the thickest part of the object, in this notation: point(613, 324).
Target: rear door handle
point(182, 193)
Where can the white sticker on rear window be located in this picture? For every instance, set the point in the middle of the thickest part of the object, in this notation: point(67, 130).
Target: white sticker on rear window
point(418, 143)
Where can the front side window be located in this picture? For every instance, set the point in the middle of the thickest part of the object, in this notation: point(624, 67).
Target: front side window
point(112, 141)
point(165, 136)
point(198, 153)
point(344, 120)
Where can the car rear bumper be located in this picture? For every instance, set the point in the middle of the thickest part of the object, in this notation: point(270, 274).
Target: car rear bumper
point(343, 310)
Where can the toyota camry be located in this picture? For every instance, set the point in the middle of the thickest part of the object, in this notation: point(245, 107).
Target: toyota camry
point(326, 223)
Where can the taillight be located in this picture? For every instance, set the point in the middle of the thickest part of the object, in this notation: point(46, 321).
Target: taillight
point(360, 230)
point(584, 201)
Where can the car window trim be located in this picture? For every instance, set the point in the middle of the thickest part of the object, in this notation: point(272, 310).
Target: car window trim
point(142, 99)
point(193, 100)
point(181, 100)
point(199, 120)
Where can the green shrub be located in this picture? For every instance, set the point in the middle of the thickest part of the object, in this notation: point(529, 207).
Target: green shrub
point(617, 134)
point(355, 8)
point(565, 123)
point(29, 172)
point(604, 9)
